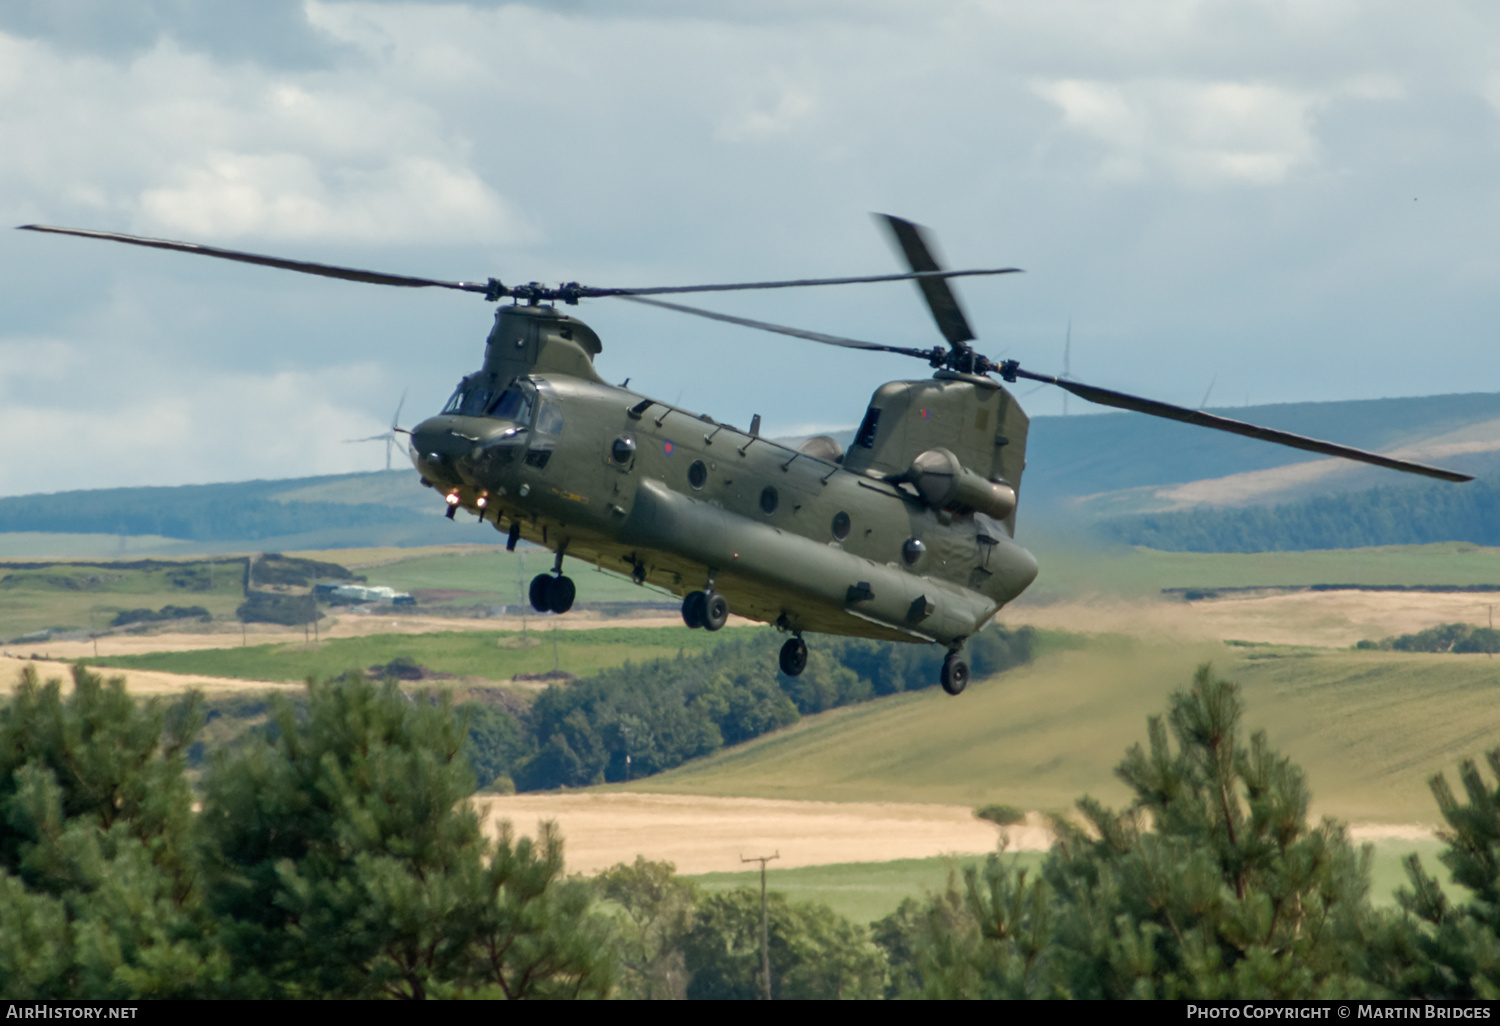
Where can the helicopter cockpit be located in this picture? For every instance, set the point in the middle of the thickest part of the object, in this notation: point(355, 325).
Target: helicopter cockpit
point(514, 403)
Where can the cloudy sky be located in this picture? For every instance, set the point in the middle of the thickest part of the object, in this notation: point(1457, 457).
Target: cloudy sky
point(1285, 201)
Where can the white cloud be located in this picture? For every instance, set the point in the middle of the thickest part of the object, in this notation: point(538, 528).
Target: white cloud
point(1199, 133)
point(289, 195)
point(203, 427)
point(172, 142)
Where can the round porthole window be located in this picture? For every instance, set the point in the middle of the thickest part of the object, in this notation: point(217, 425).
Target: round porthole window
point(912, 550)
point(768, 500)
point(840, 525)
point(697, 474)
point(622, 449)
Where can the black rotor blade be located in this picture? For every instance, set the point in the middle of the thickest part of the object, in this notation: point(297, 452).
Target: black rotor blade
point(813, 336)
point(305, 267)
point(922, 277)
point(1123, 401)
point(940, 298)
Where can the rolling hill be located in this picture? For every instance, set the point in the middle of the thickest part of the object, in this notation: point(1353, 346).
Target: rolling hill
point(1368, 728)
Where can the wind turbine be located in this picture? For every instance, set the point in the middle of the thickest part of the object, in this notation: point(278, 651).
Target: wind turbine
point(388, 437)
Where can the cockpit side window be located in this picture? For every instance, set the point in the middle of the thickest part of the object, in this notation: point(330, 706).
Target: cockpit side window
point(549, 419)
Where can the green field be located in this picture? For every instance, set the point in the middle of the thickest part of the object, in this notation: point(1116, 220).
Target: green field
point(87, 597)
point(863, 891)
point(1069, 570)
point(1368, 728)
point(867, 891)
point(498, 577)
point(487, 655)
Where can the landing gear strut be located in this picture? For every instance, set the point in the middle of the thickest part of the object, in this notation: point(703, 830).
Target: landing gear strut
point(794, 656)
point(955, 674)
point(706, 609)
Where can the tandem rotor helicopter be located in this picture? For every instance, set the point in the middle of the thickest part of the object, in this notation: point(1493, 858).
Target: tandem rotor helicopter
point(907, 536)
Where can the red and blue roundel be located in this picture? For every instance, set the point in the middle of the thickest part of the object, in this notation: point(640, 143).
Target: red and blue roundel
point(668, 447)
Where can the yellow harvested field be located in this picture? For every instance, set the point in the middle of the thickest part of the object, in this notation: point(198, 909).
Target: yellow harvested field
point(1334, 619)
point(711, 835)
point(137, 682)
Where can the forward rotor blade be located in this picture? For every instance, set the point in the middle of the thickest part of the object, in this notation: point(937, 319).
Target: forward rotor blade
point(940, 298)
point(921, 276)
point(1123, 401)
point(305, 267)
point(395, 420)
point(373, 438)
point(812, 336)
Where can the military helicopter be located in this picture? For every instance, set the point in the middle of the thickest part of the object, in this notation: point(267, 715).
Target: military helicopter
point(908, 536)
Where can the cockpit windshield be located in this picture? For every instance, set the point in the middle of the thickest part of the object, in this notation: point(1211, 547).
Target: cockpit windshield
point(513, 404)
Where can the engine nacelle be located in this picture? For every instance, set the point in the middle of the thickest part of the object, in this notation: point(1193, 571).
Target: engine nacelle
point(944, 483)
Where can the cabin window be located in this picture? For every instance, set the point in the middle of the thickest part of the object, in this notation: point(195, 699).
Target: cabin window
point(769, 500)
point(840, 525)
point(912, 551)
point(697, 474)
point(866, 436)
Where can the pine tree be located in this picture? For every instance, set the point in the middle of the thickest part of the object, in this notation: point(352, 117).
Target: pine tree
point(1210, 884)
point(1454, 951)
point(98, 882)
point(345, 862)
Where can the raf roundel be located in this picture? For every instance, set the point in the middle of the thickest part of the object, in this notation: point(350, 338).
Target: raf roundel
point(668, 447)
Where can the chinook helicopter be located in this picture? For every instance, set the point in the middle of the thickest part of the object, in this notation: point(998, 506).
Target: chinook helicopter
point(908, 536)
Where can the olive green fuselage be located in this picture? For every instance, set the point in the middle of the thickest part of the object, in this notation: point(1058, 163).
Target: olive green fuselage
point(538, 445)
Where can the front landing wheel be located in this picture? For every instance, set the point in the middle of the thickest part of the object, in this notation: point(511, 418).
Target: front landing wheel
point(955, 674)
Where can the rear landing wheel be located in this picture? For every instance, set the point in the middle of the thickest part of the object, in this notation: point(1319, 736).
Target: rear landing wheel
point(794, 657)
point(560, 594)
point(539, 586)
point(695, 609)
point(955, 674)
point(716, 611)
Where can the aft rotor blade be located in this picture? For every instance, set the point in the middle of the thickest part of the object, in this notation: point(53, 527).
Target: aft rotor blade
point(921, 276)
point(1123, 401)
point(303, 266)
point(812, 336)
point(940, 298)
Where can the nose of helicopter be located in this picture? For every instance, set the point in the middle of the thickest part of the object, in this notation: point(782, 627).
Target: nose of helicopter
point(447, 448)
point(437, 445)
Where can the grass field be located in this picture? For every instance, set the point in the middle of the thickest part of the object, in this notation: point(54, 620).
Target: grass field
point(867, 891)
point(88, 596)
point(489, 655)
point(1368, 728)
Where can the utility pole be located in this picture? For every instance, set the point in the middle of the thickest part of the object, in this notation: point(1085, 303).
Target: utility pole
point(765, 923)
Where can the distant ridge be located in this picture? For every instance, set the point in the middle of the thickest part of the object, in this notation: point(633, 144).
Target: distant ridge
point(329, 511)
point(1099, 465)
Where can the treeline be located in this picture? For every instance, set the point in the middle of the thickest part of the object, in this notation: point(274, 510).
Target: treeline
point(1393, 515)
point(335, 857)
point(1459, 638)
point(207, 513)
point(666, 711)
